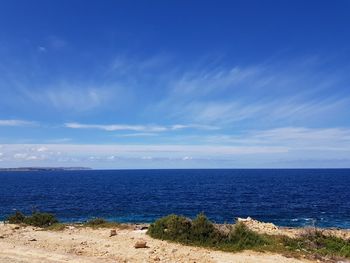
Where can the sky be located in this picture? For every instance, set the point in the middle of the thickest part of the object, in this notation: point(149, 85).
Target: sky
point(175, 84)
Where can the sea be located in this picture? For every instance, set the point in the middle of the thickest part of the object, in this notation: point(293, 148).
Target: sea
point(285, 197)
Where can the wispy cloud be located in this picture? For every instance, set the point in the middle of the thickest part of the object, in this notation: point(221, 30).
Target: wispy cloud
point(17, 123)
point(279, 147)
point(138, 134)
point(293, 138)
point(138, 128)
point(70, 97)
point(294, 91)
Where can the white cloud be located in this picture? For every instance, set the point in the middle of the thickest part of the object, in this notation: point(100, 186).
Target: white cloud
point(112, 157)
point(70, 97)
point(16, 123)
point(279, 147)
point(22, 151)
point(42, 149)
point(146, 158)
point(274, 92)
point(20, 155)
point(149, 129)
point(138, 134)
point(326, 139)
point(42, 49)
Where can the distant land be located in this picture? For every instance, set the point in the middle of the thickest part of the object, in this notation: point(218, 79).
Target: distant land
point(44, 169)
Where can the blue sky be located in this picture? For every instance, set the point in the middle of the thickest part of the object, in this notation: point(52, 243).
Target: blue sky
point(175, 84)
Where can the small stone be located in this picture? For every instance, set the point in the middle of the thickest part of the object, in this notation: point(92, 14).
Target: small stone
point(174, 250)
point(113, 233)
point(156, 259)
point(2, 237)
point(33, 239)
point(140, 244)
point(84, 243)
point(17, 227)
point(140, 227)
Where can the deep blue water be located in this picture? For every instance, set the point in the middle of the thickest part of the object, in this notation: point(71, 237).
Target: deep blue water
point(288, 197)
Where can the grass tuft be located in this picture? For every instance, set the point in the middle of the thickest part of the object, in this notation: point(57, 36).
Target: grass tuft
point(102, 223)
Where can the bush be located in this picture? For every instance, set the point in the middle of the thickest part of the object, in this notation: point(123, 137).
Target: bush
point(36, 219)
point(244, 238)
point(317, 242)
point(171, 227)
point(102, 223)
point(203, 231)
point(40, 219)
point(16, 218)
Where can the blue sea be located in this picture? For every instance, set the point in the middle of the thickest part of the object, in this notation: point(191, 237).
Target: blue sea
point(286, 197)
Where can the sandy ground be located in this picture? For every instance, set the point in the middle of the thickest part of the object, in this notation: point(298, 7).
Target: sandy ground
point(28, 244)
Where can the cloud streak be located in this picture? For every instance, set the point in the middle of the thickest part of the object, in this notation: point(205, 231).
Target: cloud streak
point(138, 128)
point(15, 123)
point(279, 147)
point(275, 92)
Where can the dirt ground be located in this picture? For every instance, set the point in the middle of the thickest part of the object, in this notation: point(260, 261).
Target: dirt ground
point(74, 244)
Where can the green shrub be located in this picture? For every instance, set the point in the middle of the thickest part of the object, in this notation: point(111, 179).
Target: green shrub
point(36, 219)
point(244, 238)
point(317, 242)
point(17, 218)
point(171, 227)
point(238, 237)
point(204, 231)
point(40, 219)
point(102, 223)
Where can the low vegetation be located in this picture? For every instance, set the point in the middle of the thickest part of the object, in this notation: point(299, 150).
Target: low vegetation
point(36, 219)
point(102, 223)
point(313, 243)
point(50, 222)
point(201, 232)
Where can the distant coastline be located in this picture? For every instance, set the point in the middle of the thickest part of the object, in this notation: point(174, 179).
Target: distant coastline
point(25, 169)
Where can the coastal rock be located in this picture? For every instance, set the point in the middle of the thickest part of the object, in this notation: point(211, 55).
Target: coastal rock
point(260, 227)
point(140, 227)
point(140, 244)
point(248, 219)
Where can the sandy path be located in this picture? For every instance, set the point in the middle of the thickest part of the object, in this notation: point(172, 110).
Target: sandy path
point(88, 245)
